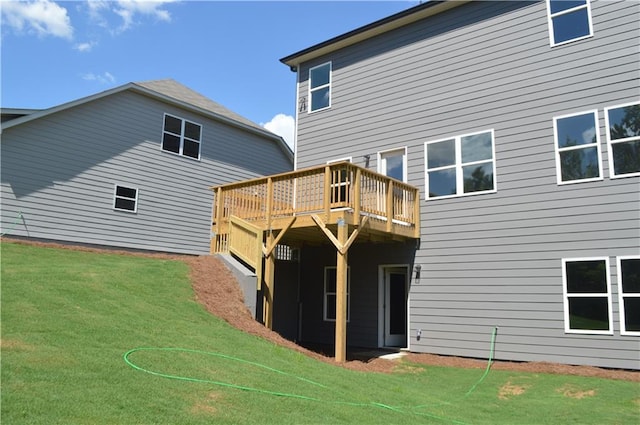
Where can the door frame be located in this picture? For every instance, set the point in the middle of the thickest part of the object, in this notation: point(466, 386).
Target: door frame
point(382, 271)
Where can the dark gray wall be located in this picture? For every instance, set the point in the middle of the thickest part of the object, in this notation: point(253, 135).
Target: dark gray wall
point(60, 171)
point(494, 259)
point(363, 260)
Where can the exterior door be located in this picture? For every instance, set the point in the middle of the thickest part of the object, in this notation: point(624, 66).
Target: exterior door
point(393, 164)
point(395, 307)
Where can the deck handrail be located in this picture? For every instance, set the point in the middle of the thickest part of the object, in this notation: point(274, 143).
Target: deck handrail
point(320, 189)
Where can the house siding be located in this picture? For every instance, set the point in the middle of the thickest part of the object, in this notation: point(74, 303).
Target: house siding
point(60, 170)
point(494, 259)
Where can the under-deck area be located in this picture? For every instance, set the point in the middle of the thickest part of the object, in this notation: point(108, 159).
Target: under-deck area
point(338, 203)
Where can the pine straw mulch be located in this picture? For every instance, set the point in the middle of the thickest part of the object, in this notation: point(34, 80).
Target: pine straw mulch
point(217, 290)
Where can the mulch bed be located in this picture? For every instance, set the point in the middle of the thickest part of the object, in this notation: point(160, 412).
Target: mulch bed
point(217, 290)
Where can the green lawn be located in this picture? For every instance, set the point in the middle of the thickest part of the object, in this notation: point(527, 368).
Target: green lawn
point(92, 338)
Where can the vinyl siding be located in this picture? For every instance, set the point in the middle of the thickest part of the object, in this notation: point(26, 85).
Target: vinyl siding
point(494, 259)
point(60, 172)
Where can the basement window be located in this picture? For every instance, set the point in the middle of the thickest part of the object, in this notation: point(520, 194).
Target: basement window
point(125, 199)
point(587, 296)
point(330, 296)
point(629, 294)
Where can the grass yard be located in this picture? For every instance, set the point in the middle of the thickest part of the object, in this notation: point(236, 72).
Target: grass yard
point(92, 338)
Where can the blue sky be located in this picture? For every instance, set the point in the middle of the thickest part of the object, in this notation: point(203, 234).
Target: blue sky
point(53, 52)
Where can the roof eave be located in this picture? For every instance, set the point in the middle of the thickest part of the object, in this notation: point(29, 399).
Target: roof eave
point(154, 94)
point(381, 26)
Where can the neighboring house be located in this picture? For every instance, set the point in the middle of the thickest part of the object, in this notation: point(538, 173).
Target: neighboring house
point(129, 167)
point(519, 124)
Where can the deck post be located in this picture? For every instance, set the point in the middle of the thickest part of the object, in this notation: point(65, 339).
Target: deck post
point(356, 194)
point(327, 192)
point(216, 221)
point(268, 287)
point(389, 204)
point(341, 294)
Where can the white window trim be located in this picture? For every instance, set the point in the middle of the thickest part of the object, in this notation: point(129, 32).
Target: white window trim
point(458, 166)
point(182, 137)
point(565, 297)
point(345, 159)
point(550, 17)
point(329, 84)
point(558, 149)
point(135, 200)
point(325, 293)
point(622, 295)
point(612, 174)
point(380, 158)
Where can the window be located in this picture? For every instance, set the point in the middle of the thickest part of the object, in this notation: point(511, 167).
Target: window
point(577, 147)
point(125, 198)
point(330, 293)
point(320, 87)
point(461, 165)
point(181, 136)
point(623, 138)
point(629, 294)
point(393, 164)
point(569, 20)
point(587, 296)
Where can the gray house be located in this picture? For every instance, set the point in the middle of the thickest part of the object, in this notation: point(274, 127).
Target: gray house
point(518, 125)
point(129, 167)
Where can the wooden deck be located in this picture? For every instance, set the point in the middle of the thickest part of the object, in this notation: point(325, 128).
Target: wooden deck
point(337, 203)
point(333, 192)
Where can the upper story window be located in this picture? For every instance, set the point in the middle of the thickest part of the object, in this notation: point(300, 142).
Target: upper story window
point(623, 139)
point(569, 20)
point(629, 294)
point(181, 136)
point(320, 87)
point(461, 165)
point(587, 295)
point(577, 147)
point(125, 198)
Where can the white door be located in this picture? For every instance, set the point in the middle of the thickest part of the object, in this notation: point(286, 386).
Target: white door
point(395, 306)
point(393, 164)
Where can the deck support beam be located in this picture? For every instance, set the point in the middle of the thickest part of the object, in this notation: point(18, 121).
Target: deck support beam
point(342, 243)
point(268, 287)
point(341, 294)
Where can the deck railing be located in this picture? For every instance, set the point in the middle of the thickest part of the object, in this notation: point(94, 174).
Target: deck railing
point(316, 190)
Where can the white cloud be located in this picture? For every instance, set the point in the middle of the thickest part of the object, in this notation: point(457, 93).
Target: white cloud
point(84, 47)
point(43, 17)
point(104, 78)
point(284, 126)
point(128, 10)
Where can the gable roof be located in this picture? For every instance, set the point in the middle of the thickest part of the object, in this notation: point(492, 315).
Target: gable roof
point(172, 92)
point(400, 19)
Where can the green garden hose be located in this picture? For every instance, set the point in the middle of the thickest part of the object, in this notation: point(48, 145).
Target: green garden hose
point(402, 410)
point(13, 225)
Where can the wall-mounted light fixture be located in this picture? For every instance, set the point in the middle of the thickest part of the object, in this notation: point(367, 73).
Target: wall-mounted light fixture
point(417, 269)
point(366, 161)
